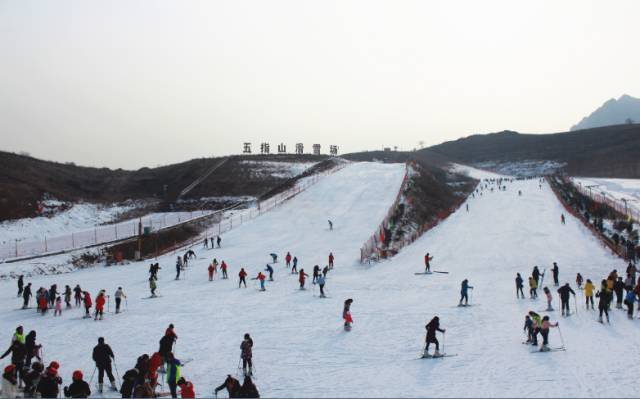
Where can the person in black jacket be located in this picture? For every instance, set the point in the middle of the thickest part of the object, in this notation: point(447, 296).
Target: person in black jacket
point(432, 327)
point(26, 294)
point(32, 349)
point(18, 352)
point(102, 355)
point(519, 286)
point(556, 271)
point(129, 382)
point(48, 384)
point(31, 379)
point(20, 284)
point(78, 388)
point(564, 292)
point(618, 288)
point(248, 389)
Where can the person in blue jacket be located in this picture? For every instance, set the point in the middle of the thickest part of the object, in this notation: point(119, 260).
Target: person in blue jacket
point(270, 270)
point(629, 300)
point(464, 291)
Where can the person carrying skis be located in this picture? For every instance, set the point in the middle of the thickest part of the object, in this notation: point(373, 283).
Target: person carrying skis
point(544, 331)
point(26, 294)
point(321, 281)
point(179, 267)
point(464, 290)
point(242, 275)
point(432, 327)
point(618, 288)
point(274, 257)
point(270, 270)
point(20, 285)
point(223, 267)
point(588, 293)
point(78, 388)
point(579, 280)
point(211, 269)
point(119, 295)
point(100, 301)
point(427, 263)
point(604, 296)
point(519, 286)
point(152, 286)
point(331, 258)
point(87, 304)
point(537, 325)
point(246, 354)
point(316, 273)
point(287, 259)
point(261, 277)
point(294, 269)
point(533, 287)
point(564, 292)
point(556, 271)
point(301, 278)
point(67, 296)
point(346, 314)
point(547, 292)
point(102, 355)
point(77, 291)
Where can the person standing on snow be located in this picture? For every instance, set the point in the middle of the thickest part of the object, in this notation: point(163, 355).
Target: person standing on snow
point(152, 286)
point(588, 293)
point(270, 270)
point(77, 294)
point(346, 314)
point(287, 259)
point(179, 267)
point(87, 304)
point(519, 286)
point(67, 296)
point(618, 288)
point(100, 301)
point(20, 285)
point(102, 355)
point(119, 295)
point(562, 219)
point(579, 280)
point(427, 263)
point(274, 257)
point(325, 271)
point(301, 278)
point(210, 269)
point(544, 331)
point(537, 325)
point(223, 267)
point(556, 271)
point(536, 275)
point(218, 240)
point(630, 300)
point(564, 292)
point(432, 327)
point(330, 225)
point(316, 273)
point(464, 290)
point(78, 388)
point(173, 373)
point(321, 282)
point(26, 294)
point(528, 327)
point(246, 354)
point(294, 269)
point(533, 287)
point(331, 258)
point(604, 296)
point(261, 277)
point(242, 275)
point(547, 293)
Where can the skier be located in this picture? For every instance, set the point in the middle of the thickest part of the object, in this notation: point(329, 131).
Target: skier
point(346, 314)
point(316, 273)
point(301, 278)
point(533, 287)
point(628, 283)
point(102, 355)
point(78, 388)
point(167, 341)
point(53, 293)
point(519, 286)
point(232, 386)
point(562, 220)
point(618, 288)
point(556, 272)
point(31, 379)
point(321, 282)
point(18, 352)
point(331, 258)
point(564, 292)
point(547, 292)
point(119, 295)
point(152, 286)
point(173, 373)
point(242, 275)
point(270, 270)
point(588, 293)
point(211, 270)
point(248, 389)
point(528, 327)
point(287, 259)
point(223, 267)
point(26, 294)
point(206, 243)
point(629, 300)
point(186, 389)
point(100, 301)
point(325, 271)
point(579, 280)
point(77, 291)
point(261, 277)
point(247, 353)
point(432, 327)
point(58, 309)
point(67, 296)
point(42, 301)
point(427, 264)
point(536, 275)
point(464, 289)
point(544, 331)
point(537, 325)
point(20, 284)
point(32, 348)
point(179, 266)
point(274, 258)
point(87, 304)
point(294, 269)
point(218, 240)
point(330, 225)
point(604, 296)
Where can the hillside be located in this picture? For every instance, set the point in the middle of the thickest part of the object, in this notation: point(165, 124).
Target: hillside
point(612, 112)
point(610, 151)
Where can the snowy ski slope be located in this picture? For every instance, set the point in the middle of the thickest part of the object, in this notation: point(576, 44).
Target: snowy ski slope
point(300, 346)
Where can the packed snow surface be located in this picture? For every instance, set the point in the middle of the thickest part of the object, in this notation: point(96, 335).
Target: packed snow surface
point(301, 349)
point(474, 173)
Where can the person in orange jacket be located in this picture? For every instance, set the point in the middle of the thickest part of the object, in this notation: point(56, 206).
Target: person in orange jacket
point(154, 364)
point(301, 279)
point(87, 304)
point(100, 301)
point(242, 276)
point(186, 388)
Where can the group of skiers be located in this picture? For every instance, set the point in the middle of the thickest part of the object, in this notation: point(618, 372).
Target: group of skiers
point(218, 240)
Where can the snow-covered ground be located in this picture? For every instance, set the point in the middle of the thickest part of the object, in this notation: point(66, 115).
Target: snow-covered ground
point(300, 347)
point(474, 173)
point(279, 169)
point(618, 189)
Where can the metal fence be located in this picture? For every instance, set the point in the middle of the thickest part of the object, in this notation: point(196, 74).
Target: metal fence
point(602, 198)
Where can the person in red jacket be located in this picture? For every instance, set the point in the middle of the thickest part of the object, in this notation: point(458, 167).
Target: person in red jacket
point(331, 260)
point(170, 331)
point(288, 259)
point(42, 304)
point(211, 269)
point(223, 267)
point(100, 301)
point(154, 364)
point(87, 304)
point(301, 279)
point(261, 277)
point(242, 276)
point(186, 388)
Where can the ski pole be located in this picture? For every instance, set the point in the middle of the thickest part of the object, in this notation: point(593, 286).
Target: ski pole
point(92, 374)
point(561, 339)
point(443, 341)
point(115, 366)
point(108, 303)
point(575, 302)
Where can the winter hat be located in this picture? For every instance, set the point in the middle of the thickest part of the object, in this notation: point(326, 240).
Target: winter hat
point(9, 369)
point(77, 375)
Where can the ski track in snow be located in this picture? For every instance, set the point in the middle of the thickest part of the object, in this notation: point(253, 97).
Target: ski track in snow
point(300, 346)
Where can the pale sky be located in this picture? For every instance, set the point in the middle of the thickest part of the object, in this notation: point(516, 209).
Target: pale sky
point(145, 83)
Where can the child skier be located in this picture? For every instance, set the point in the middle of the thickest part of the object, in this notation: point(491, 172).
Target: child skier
point(288, 259)
point(464, 290)
point(301, 278)
point(519, 286)
point(579, 280)
point(67, 296)
point(346, 314)
point(537, 324)
point(432, 327)
point(119, 295)
point(100, 301)
point(544, 331)
point(427, 264)
point(321, 282)
point(152, 286)
point(261, 277)
point(533, 286)
point(331, 258)
point(87, 304)
point(78, 388)
point(242, 275)
point(211, 270)
point(547, 292)
point(528, 327)
point(58, 311)
point(316, 273)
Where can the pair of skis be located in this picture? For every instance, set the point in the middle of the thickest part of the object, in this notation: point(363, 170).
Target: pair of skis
point(435, 271)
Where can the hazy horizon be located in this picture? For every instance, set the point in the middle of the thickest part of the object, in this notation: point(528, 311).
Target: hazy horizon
point(134, 84)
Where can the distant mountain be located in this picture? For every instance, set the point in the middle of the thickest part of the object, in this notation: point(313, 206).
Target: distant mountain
point(612, 112)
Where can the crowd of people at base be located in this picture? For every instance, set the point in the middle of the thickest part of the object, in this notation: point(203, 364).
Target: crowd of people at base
point(28, 378)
